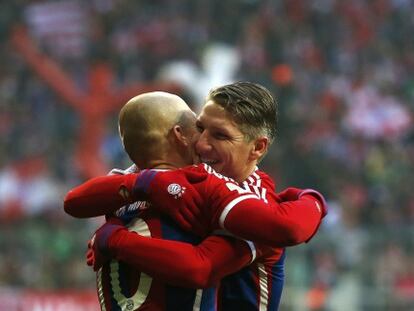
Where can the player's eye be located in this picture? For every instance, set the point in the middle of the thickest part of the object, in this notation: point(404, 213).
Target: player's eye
point(220, 136)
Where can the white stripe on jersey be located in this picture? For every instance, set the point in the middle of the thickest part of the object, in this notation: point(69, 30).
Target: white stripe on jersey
point(254, 184)
point(139, 226)
point(264, 290)
point(252, 248)
point(208, 168)
point(100, 289)
point(263, 195)
point(256, 190)
point(258, 179)
point(136, 300)
point(232, 204)
point(197, 301)
point(211, 171)
point(250, 244)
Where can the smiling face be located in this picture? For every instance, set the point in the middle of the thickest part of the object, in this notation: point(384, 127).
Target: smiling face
point(236, 126)
point(222, 144)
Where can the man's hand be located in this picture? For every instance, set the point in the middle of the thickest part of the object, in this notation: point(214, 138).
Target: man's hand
point(293, 194)
point(98, 253)
point(289, 194)
point(174, 193)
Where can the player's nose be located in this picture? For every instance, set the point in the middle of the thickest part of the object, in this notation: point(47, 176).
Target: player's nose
point(203, 145)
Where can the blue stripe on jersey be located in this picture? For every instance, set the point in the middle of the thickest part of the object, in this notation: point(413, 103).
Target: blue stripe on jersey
point(123, 278)
point(170, 231)
point(179, 298)
point(209, 298)
point(144, 180)
point(239, 291)
point(114, 303)
point(278, 273)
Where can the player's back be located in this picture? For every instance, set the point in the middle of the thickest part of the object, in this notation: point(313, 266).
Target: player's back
point(123, 287)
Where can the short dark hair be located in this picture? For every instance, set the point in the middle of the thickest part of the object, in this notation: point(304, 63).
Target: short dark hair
point(251, 106)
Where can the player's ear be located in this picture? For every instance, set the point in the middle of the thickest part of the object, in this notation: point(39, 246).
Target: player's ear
point(121, 135)
point(259, 148)
point(180, 136)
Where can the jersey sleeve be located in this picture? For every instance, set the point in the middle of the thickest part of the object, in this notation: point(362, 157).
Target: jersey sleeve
point(178, 263)
point(278, 224)
point(99, 196)
point(246, 213)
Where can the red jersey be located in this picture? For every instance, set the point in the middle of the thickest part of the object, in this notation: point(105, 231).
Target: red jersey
point(239, 208)
point(142, 275)
point(250, 210)
point(122, 286)
point(257, 286)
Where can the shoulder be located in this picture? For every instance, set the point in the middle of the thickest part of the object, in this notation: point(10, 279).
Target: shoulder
point(265, 180)
point(207, 169)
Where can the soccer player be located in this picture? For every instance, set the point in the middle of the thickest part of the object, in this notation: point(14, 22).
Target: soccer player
point(223, 136)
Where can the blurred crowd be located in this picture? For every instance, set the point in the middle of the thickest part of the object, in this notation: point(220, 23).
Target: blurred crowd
point(342, 72)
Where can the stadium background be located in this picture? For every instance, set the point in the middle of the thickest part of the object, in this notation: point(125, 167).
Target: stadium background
point(342, 72)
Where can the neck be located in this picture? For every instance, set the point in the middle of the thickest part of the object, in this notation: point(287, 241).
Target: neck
point(160, 164)
point(246, 173)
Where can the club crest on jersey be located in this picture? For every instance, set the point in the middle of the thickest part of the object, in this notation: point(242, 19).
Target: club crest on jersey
point(176, 190)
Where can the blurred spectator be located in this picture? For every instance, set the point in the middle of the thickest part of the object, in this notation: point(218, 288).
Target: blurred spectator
point(26, 189)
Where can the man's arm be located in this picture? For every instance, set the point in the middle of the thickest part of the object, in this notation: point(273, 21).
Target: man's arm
point(175, 262)
point(239, 211)
point(99, 196)
point(277, 224)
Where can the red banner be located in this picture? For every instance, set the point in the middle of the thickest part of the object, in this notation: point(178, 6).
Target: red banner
point(28, 300)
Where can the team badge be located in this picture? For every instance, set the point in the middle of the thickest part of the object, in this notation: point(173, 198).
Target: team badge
point(176, 190)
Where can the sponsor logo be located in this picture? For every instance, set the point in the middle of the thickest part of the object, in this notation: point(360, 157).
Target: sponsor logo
point(131, 208)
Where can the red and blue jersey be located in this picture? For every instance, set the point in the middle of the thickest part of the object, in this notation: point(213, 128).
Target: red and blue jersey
point(123, 287)
point(257, 287)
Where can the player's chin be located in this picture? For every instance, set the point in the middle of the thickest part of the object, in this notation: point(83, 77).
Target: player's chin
point(213, 163)
point(196, 160)
point(217, 166)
